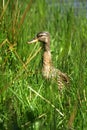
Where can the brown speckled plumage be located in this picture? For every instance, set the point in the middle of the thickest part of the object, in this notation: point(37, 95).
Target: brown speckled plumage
point(48, 70)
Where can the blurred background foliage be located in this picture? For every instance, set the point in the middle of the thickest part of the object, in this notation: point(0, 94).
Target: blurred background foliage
point(27, 101)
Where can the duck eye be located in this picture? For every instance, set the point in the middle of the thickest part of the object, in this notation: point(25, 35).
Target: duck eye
point(40, 35)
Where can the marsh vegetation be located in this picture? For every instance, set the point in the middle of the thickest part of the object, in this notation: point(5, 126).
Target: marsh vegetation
point(27, 100)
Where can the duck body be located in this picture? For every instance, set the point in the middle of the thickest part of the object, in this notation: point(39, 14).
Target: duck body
point(48, 70)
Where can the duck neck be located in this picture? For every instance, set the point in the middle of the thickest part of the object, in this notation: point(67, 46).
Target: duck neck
point(47, 45)
point(46, 53)
point(46, 60)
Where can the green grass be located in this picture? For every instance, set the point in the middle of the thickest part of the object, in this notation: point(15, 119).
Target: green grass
point(27, 100)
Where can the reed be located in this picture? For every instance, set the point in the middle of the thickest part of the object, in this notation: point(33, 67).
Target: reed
point(27, 100)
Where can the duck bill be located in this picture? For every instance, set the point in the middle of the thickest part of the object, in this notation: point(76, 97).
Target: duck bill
point(33, 41)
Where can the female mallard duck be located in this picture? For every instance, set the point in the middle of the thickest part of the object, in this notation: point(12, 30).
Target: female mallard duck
point(48, 70)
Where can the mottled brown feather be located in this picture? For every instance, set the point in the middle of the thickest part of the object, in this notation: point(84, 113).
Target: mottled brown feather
point(48, 71)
